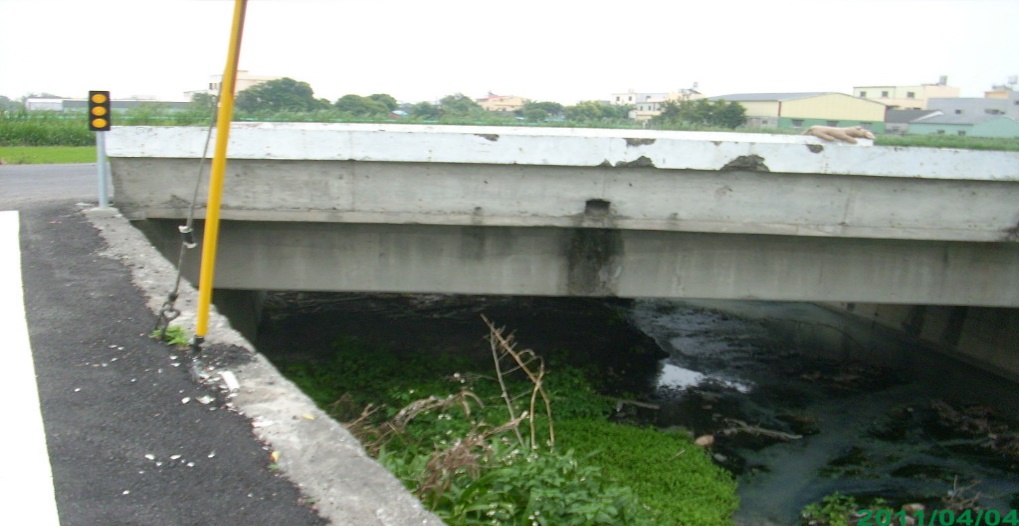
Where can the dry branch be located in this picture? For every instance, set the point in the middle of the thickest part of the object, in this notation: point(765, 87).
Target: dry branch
point(739, 426)
point(505, 346)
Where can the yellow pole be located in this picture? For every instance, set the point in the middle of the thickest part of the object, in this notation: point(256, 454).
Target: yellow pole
point(225, 115)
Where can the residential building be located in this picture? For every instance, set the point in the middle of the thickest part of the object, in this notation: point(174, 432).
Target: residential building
point(907, 97)
point(44, 104)
point(802, 110)
point(495, 102)
point(632, 98)
point(995, 115)
point(966, 125)
point(1005, 103)
point(243, 81)
point(649, 105)
point(1003, 91)
point(897, 121)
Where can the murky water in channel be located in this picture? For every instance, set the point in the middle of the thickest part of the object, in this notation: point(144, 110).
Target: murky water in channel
point(864, 397)
point(860, 402)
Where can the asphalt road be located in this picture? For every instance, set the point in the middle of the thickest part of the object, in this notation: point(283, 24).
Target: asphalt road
point(28, 185)
point(129, 442)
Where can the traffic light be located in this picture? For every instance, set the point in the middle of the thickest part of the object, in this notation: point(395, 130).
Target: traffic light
point(99, 110)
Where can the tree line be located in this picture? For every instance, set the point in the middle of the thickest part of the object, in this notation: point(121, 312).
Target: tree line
point(287, 95)
point(290, 96)
point(289, 99)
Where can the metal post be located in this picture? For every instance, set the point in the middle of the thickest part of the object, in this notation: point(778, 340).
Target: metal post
point(102, 167)
point(211, 235)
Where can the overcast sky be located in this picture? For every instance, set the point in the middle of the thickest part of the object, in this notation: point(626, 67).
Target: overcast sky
point(557, 50)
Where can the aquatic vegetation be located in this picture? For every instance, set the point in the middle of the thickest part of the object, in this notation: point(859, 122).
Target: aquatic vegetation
point(478, 444)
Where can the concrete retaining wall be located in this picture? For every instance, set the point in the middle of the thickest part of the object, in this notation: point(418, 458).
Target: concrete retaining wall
point(985, 337)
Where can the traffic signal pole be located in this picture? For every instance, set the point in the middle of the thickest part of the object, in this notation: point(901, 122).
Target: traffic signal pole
point(100, 115)
point(216, 176)
point(102, 167)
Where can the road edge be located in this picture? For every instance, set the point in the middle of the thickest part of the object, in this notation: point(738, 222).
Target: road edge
point(321, 457)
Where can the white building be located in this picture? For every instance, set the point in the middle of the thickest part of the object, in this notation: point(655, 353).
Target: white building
point(244, 81)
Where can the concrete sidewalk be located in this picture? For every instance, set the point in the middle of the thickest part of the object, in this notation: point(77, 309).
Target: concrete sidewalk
point(133, 440)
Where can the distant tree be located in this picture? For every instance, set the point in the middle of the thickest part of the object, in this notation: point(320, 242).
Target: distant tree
point(732, 115)
point(459, 104)
point(618, 111)
point(425, 111)
point(678, 112)
point(539, 111)
point(284, 94)
point(202, 101)
point(359, 106)
point(534, 114)
point(594, 111)
point(386, 99)
point(10, 106)
point(700, 112)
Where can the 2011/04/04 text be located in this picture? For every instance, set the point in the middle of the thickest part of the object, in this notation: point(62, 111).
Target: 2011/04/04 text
point(940, 518)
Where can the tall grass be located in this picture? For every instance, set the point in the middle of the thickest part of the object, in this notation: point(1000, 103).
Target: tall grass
point(71, 128)
point(44, 130)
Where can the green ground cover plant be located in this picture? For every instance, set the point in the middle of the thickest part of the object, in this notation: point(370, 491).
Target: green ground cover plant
point(505, 441)
point(658, 466)
point(837, 509)
point(174, 335)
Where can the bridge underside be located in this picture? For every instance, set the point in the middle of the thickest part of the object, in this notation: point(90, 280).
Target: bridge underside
point(551, 261)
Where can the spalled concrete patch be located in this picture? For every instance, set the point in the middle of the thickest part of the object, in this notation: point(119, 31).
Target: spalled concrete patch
point(316, 453)
point(749, 163)
point(631, 142)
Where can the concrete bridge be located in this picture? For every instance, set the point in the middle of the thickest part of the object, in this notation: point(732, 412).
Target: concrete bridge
point(590, 212)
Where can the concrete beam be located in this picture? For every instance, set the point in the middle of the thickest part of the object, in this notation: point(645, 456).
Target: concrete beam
point(640, 198)
point(606, 262)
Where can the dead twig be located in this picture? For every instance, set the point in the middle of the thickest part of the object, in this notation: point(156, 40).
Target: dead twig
point(505, 346)
point(424, 405)
point(960, 499)
point(739, 426)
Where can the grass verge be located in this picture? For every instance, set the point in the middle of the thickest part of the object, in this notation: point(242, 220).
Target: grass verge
point(47, 154)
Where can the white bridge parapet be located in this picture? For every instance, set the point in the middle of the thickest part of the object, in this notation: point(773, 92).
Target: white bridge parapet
point(595, 212)
point(580, 147)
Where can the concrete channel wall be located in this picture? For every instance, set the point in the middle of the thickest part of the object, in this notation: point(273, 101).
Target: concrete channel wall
point(985, 337)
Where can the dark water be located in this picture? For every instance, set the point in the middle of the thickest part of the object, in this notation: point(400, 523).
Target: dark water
point(861, 399)
point(862, 402)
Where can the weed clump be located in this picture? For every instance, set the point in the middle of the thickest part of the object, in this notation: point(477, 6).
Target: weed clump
point(481, 445)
